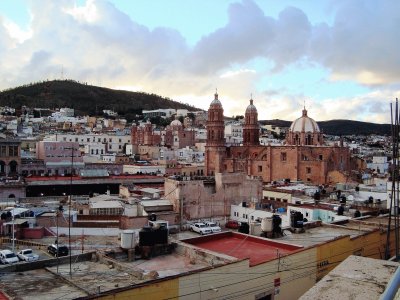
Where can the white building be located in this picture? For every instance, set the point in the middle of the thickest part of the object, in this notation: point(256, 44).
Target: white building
point(379, 164)
point(181, 112)
point(114, 143)
point(234, 130)
point(143, 169)
point(95, 149)
point(167, 113)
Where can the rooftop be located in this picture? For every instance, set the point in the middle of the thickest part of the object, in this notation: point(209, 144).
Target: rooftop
point(355, 278)
point(241, 246)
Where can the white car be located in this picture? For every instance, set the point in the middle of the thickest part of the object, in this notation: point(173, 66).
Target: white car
point(27, 255)
point(8, 257)
point(213, 226)
point(200, 228)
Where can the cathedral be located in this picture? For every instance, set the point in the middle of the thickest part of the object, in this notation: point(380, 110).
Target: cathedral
point(303, 156)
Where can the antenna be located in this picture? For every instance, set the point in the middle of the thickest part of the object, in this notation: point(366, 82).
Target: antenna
point(62, 72)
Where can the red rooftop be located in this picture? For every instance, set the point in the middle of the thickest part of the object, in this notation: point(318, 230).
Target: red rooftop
point(257, 250)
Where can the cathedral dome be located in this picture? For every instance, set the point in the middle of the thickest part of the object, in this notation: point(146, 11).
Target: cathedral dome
point(304, 124)
point(251, 108)
point(216, 102)
point(175, 123)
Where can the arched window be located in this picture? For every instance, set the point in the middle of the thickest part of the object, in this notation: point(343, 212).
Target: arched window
point(13, 167)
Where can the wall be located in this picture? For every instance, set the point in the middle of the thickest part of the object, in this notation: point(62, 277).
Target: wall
point(33, 233)
point(296, 273)
point(208, 198)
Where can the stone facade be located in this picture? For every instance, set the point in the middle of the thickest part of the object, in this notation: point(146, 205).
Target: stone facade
point(10, 158)
point(303, 157)
point(211, 197)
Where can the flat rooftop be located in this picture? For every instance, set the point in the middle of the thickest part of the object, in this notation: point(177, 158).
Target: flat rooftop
point(318, 235)
point(355, 278)
point(257, 250)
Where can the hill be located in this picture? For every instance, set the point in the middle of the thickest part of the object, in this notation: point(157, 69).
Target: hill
point(341, 127)
point(85, 99)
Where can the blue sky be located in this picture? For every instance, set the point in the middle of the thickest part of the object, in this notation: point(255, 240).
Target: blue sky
point(338, 57)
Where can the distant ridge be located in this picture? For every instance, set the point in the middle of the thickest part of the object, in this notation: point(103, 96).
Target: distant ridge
point(92, 100)
point(341, 127)
point(85, 99)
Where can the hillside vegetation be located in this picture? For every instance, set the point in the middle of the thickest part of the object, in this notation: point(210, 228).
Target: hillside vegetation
point(341, 127)
point(85, 99)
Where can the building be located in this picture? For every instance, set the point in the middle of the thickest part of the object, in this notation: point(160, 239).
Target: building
point(303, 157)
point(210, 197)
point(10, 158)
point(355, 278)
point(60, 158)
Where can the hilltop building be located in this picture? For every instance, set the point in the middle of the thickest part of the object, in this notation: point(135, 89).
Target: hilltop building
point(303, 157)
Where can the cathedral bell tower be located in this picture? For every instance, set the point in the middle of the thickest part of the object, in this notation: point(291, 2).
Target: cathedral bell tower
point(215, 145)
point(251, 129)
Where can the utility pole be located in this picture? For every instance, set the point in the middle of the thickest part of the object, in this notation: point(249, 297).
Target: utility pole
point(181, 200)
point(13, 231)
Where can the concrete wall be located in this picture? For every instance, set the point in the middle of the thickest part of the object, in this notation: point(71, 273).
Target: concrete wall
point(207, 198)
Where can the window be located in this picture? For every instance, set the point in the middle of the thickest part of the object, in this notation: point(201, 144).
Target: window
point(259, 168)
point(308, 170)
point(283, 156)
point(3, 150)
point(321, 157)
point(88, 140)
point(76, 139)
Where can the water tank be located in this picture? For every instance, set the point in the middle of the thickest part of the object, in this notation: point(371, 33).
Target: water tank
point(128, 239)
point(146, 236)
point(296, 219)
point(266, 224)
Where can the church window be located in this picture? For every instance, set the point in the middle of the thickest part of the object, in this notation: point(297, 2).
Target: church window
point(283, 156)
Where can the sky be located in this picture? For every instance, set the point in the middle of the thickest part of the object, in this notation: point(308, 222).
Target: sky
point(340, 59)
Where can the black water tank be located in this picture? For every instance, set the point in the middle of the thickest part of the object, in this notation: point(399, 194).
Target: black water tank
point(340, 210)
point(276, 223)
point(146, 236)
point(244, 228)
point(296, 219)
point(161, 236)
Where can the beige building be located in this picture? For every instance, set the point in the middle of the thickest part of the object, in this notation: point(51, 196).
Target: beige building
point(212, 196)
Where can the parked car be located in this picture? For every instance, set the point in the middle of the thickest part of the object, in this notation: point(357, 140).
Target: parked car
point(27, 255)
point(200, 228)
point(62, 250)
point(232, 224)
point(8, 257)
point(213, 226)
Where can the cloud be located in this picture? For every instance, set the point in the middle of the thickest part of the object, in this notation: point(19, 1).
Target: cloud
point(100, 44)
